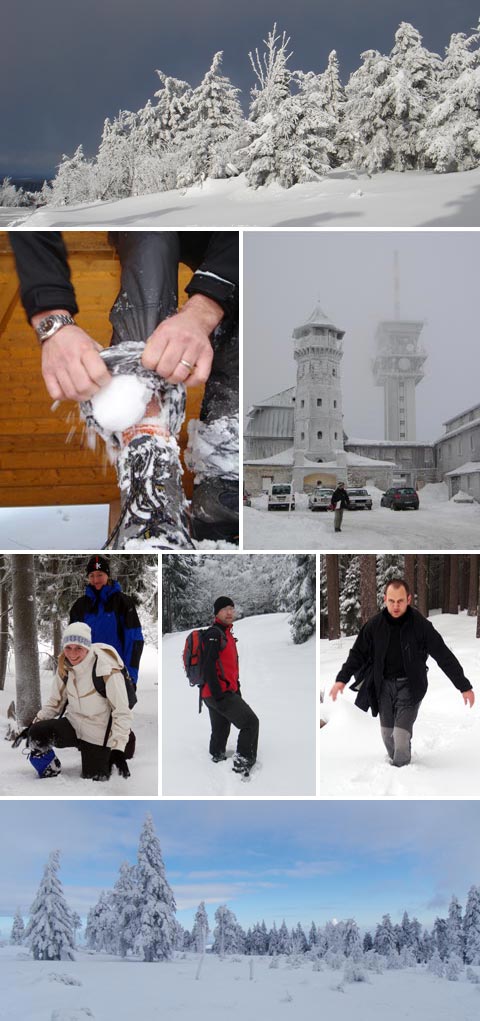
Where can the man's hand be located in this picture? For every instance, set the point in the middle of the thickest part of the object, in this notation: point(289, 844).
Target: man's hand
point(468, 697)
point(186, 336)
point(337, 689)
point(71, 366)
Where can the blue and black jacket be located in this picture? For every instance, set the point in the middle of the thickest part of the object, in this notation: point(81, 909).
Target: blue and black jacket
point(113, 619)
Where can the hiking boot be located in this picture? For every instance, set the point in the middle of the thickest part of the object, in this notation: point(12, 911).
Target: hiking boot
point(214, 512)
point(219, 757)
point(241, 765)
point(212, 455)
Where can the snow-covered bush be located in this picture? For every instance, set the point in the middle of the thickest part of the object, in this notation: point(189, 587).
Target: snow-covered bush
point(354, 972)
point(472, 976)
point(453, 968)
point(435, 965)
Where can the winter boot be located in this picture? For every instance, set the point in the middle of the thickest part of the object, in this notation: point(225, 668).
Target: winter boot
point(45, 762)
point(242, 765)
point(212, 455)
point(219, 757)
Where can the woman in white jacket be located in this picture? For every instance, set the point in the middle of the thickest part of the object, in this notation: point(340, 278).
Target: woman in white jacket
point(76, 715)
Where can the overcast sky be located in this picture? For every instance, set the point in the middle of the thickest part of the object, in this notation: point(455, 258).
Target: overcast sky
point(352, 274)
point(298, 860)
point(67, 66)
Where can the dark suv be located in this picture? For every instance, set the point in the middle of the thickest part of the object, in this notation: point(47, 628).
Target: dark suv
point(400, 498)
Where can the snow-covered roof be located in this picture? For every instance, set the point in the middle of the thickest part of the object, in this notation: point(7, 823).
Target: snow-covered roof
point(318, 318)
point(286, 458)
point(355, 442)
point(475, 407)
point(469, 468)
point(474, 423)
point(280, 400)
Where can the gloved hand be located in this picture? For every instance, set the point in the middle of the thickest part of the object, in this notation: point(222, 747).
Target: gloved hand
point(118, 759)
point(22, 736)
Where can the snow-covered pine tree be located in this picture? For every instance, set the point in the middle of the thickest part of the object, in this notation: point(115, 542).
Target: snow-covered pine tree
point(76, 925)
point(10, 196)
point(435, 965)
point(124, 904)
point(299, 596)
point(362, 140)
point(49, 931)
point(75, 180)
point(455, 934)
point(352, 941)
point(408, 94)
point(451, 137)
point(17, 934)
point(200, 928)
point(453, 968)
point(273, 941)
point(389, 566)
point(350, 598)
point(384, 940)
point(268, 98)
point(117, 157)
point(367, 942)
point(228, 934)
point(181, 590)
point(155, 937)
point(471, 926)
point(100, 930)
point(440, 936)
point(212, 131)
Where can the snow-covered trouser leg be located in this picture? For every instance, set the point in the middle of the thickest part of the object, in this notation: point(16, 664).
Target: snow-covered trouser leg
point(213, 449)
point(95, 761)
point(41, 738)
point(235, 710)
point(398, 713)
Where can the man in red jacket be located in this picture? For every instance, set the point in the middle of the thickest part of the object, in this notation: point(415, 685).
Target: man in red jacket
point(221, 691)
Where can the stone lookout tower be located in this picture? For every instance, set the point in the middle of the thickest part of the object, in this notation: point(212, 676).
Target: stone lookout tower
point(318, 420)
point(398, 367)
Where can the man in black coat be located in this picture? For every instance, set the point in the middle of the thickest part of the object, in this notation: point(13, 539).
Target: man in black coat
point(340, 496)
point(193, 345)
point(389, 659)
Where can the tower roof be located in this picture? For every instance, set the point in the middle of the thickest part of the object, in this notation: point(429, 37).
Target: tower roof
point(319, 318)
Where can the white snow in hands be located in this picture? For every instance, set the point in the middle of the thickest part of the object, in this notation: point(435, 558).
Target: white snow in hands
point(121, 403)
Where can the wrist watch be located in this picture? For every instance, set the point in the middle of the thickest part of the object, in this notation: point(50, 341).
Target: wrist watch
point(48, 326)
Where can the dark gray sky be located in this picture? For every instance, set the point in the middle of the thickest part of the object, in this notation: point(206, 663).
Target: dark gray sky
point(352, 273)
point(67, 64)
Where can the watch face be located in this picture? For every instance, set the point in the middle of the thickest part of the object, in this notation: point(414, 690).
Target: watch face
point(47, 323)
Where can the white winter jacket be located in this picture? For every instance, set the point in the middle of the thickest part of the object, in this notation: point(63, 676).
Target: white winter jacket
point(87, 711)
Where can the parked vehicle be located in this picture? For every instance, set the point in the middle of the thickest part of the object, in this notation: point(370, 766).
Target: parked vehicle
point(360, 499)
point(320, 499)
point(281, 497)
point(400, 498)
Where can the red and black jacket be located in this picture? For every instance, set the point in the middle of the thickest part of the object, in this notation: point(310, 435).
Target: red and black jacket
point(220, 665)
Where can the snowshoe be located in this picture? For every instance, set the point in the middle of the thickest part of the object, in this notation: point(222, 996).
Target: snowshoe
point(46, 763)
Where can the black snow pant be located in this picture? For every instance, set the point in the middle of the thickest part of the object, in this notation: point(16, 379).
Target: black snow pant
point(225, 711)
point(148, 295)
point(60, 734)
point(398, 712)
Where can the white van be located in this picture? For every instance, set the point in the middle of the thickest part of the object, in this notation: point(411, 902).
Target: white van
point(281, 497)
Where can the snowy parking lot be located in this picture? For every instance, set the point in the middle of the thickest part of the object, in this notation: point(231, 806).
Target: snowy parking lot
point(439, 524)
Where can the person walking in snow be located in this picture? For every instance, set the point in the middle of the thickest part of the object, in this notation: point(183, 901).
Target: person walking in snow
point(221, 691)
point(340, 496)
point(176, 348)
point(111, 615)
point(388, 659)
point(76, 715)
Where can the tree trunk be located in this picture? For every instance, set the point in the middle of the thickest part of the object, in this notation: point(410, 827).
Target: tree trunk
point(57, 639)
point(3, 621)
point(473, 586)
point(333, 597)
point(25, 642)
point(453, 588)
point(422, 584)
point(446, 583)
point(463, 581)
point(368, 586)
point(410, 573)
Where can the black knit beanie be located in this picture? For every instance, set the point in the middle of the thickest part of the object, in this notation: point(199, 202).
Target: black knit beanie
point(221, 602)
point(98, 563)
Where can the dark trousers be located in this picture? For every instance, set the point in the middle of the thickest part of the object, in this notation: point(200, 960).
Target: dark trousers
point(398, 712)
point(233, 709)
point(60, 734)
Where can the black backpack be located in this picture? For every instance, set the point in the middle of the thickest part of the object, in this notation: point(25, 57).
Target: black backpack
point(193, 655)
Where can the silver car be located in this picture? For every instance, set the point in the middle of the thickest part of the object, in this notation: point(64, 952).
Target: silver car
point(320, 499)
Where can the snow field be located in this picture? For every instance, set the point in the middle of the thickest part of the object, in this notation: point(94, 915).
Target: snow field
point(107, 988)
point(278, 681)
point(19, 779)
point(438, 524)
point(446, 736)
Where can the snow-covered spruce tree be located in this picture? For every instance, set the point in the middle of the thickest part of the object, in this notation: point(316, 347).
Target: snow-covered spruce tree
point(362, 140)
point(228, 937)
point(17, 934)
point(10, 196)
point(200, 928)
point(155, 937)
point(471, 926)
point(273, 941)
point(451, 137)
point(435, 965)
point(284, 943)
point(268, 97)
point(100, 930)
point(384, 940)
point(453, 968)
point(455, 935)
point(389, 566)
point(367, 942)
point(350, 598)
point(76, 926)
point(299, 597)
point(409, 92)
point(440, 936)
point(75, 180)
point(117, 157)
point(49, 931)
point(212, 130)
point(124, 902)
point(181, 590)
point(352, 941)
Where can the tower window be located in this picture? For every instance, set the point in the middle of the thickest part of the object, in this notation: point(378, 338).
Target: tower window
point(302, 404)
point(302, 436)
point(319, 402)
point(336, 436)
point(319, 435)
point(334, 404)
point(334, 372)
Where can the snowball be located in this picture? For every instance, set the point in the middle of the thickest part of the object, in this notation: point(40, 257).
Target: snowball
point(121, 403)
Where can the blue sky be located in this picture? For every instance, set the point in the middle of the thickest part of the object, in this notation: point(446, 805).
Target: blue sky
point(65, 67)
point(298, 860)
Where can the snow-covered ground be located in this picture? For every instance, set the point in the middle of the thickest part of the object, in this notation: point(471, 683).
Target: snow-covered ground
point(19, 779)
point(278, 681)
point(439, 524)
point(446, 737)
point(103, 988)
point(343, 199)
point(65, 528)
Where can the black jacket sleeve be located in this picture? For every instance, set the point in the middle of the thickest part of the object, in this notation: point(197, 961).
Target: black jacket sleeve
point(43, 271)
point(445, 658)
point(211, 654)
point(217, 273)
point(359, 656)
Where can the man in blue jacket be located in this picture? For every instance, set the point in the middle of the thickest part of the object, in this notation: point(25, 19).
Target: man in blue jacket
point(111, 615)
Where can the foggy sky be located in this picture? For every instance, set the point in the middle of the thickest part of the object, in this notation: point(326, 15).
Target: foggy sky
point(351, 273)
point(67, 66)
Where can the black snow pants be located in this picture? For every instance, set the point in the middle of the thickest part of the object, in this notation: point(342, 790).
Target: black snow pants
point(225, 711)
point(60, 734)
point(398, 712)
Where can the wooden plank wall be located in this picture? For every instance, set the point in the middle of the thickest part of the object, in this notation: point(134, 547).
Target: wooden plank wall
point(38, 467)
